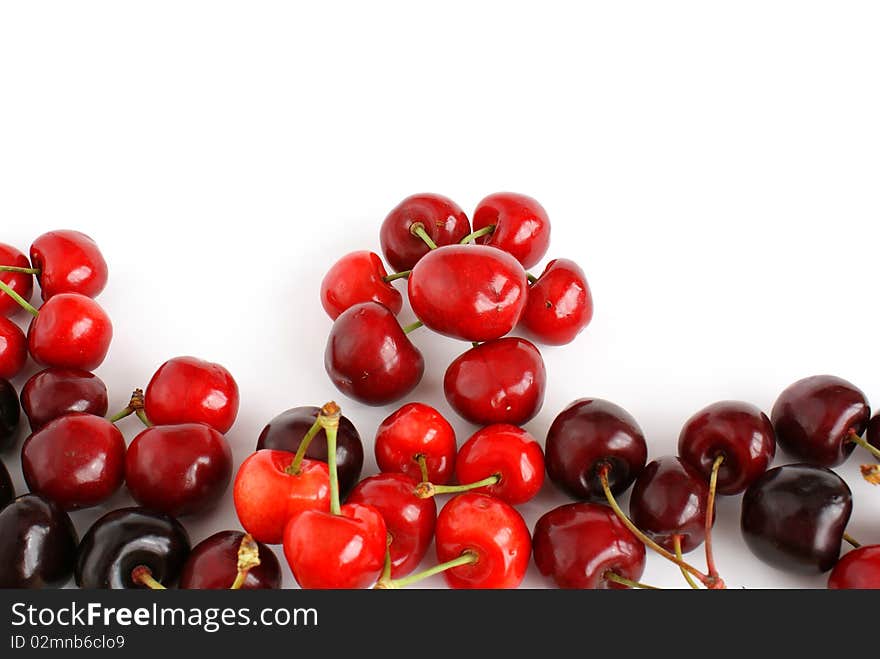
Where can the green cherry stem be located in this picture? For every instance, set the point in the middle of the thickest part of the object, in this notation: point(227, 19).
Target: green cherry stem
point(412, 326)
point(119, 416)
point(860, 441)
point(248, 559)
point(676, 542)
point(403, 274)
point(135, 404)
point(616, 578)
point(144, 576)
point(16, 268)
point(479, 233)
point(294, 467)
point(532, 278)
point(328, 418)
point(386, 569)
point(423, 466)
point(143, 417)
point(467, 557)
point(710, 516)
point(855, 544)
point(27, 306)
point(426, 490)
point(418, 229)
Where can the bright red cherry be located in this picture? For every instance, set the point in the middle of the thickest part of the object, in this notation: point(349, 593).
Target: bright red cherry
point(579, 545)
point(76, 460)
point(409, 519)
point(20, 282)
point(358, 277)
point(13, 349)
point(559, 304)
point(268, 491)
point(213, 565)
point(441, 219)
point(858, 569)
point(54, 392)
point(415, 433)
point(69, 262)
point(71, 331)
point(522, 227)
point(190, 390)
point(468, 292)
point(501, 381)
point(369, 357)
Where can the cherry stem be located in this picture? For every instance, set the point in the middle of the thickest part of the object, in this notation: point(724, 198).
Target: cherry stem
point(467, 557)
point(676, 541)
point(143, 576)
point(248, 559)
point(426, 490)
point(479, 233)
point(532, 278)
point(27, 306)
point(135, 404)
point(616, 578)
point(386, 569)
point(143, 417)
point(16, 268)
point(412, 326)
point(852, 541)
point(295, 466)
point(859, 441)
point(423, 466)
point(328, 419)
point(403, 274)
point(418, 229)
point(710, 516)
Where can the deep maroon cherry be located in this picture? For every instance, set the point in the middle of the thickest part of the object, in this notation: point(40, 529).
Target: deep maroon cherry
point(71, 331)
point(559, 304)
point(9, 414)
point(440, 218)
point(858, 569)
point(69, 262)
point(13, 349)
point(20, 282)
point(369, 357)
point(794, 517)
point(213, 565)
point(873, 432)
point(522, 227)
point(588, 434)
point(54, 392)
point(500, 381)
point(815, 417)
point(358, 277)
point(7, 491)
point(416, 435)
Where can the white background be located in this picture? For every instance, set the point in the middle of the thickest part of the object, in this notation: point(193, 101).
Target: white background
point(713, 167)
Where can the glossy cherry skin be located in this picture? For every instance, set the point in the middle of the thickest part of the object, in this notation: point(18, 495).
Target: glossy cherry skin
point(54, 392)
point(501, 381)
point(39, 544)
point(213, 565)
point(71, 331)
point(740, 432)
point(125, 539)
point(814, 416)
point(77, 460)
point(858, 569)
point(670, 498)
point(69, 262)
point(182, 469)
point(336, 551)
point(793, 517)
point(508, 452)
point(358, 277)
point(20, 282)
point(9, 414)
point(490, 528)
point(587, 435)
point(13, 349)
point(522, 227)
point(191, 390)
point(286, 431)
point(559, 305)
point(578, 544)
point(7, 491)
point(468, 292)
point(266, 495)
point(369, 357)
point(873, 432)
point(442, 218)
point(408, 519)
point(416, 430)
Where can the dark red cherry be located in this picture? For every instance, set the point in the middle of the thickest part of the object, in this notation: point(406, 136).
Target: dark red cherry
point(815, 416)
point(130, 538)
point(739, 432)
point(559, 304)
point(54, 392)
point(69, 262)
point(13, 349)
point(501, 381)
point(213, 565)
point(858, 569)
point(7, 490)
point(468, 292)
point(358, 277)
point(20, 282)
point(286, 431)
point(873, 432)
point(794, 517)
point(9, 414)
point(416, 431)
point(71, 331)
point(39, 544)
point(442, 219)
point(369, 357)
point(669, 499)
point(522, 227)
point(587, 435)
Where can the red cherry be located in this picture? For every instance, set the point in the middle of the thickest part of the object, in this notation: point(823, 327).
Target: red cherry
point(13, 349)
point(76, 460)
point(522, 227)
point(54, 392)
point(409, 519)
point(559, 304)
point(69, 262)
point(355, 278)
point(336, 551)
point(267, 492)
point(859, 569)
point(213, 565)
point(580, 545)
point(416, 431)
point(20, 282)
point(500, 381)
point(468, 292)
point(71, 331)
point(369, 357)
point(441, 218)
point(190, 390)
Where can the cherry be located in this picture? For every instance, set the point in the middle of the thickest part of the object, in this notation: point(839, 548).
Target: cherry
point(39, 544)
point(180, 470)
point(859, 569)
point(475, 293)
point(793, 517)
point(191, 390)
point(231, 560)
point(585, 545)
point(68, 262)
point(54, 392)
point(355, 278)
point(369, 357)
point(815, 419)
point(589, 434)
point(409, 519)
point(873, 432)
point(432, 215)
point(77, 460)
point(70, 331)
point(416, 440)
point(559, 305)
point(13, 349)
point(520, 226)
point(7, 491)
point(738, 433)
point(19, 279)
point(501, 381)
point(9, 414)
point(132, 548)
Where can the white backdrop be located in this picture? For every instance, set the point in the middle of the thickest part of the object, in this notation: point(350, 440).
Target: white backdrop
point(712, 166)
